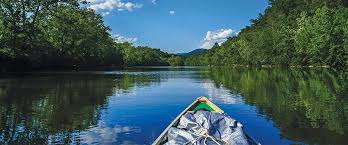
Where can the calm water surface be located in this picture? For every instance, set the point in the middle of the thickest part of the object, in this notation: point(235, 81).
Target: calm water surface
point(276, 106)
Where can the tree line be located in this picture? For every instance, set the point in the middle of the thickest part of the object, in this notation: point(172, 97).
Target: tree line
point(289, 32)
point(41, 34)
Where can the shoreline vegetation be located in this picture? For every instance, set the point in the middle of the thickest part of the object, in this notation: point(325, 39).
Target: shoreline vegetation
point(291, 33)
point(66, 35)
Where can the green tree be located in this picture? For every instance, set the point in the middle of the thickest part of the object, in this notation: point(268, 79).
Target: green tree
point(319, 44)
point(60, 33)
point(338, 53)
point(175, 61)
point(143, 56)
point(289, 32)
point(78, 35)
point(302, 37)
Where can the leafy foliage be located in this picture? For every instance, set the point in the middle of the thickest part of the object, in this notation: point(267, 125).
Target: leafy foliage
point(290, 32)
point(143, 56)
point(44, 33)
point(175, 61)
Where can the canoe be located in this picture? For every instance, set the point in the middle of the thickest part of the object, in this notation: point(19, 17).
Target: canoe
point(201, 103)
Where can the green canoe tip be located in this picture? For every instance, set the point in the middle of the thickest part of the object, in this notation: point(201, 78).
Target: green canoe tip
point(203, 106)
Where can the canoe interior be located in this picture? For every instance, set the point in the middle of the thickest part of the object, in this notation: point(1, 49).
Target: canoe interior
point(200, 103)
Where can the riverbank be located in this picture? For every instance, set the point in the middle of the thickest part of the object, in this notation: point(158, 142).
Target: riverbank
point(108, 68)
point(280, 66)
point(20, 69)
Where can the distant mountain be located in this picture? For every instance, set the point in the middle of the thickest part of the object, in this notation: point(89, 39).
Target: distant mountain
point(193, 52)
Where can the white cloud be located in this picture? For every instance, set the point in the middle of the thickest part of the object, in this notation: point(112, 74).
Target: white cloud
point(217, 36)
point(92, 1)
point(121, 39)
point(237, 33)
point(110, 5)
point(154, 2)
point(105, 13)
point(171, 12)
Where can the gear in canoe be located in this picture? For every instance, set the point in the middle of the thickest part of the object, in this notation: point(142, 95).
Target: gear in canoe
point(203, 123)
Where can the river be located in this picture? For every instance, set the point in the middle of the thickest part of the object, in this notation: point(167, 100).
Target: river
point(133, 106)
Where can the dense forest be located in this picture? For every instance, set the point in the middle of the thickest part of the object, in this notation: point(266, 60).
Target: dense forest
point(41, 34)
point(289, 32)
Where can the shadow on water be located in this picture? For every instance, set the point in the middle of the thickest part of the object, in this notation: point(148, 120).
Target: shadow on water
point(309, 106)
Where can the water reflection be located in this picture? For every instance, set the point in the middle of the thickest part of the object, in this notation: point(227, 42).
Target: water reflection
point(219, 94)
point(102, 134)
point(309, 106)
point(53, 108)
point(133, 106)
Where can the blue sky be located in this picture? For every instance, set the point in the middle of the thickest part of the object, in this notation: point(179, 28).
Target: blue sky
point(177, 25)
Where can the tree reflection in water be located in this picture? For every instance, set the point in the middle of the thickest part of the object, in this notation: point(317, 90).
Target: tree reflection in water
point(56, 108)
point(307, 105)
